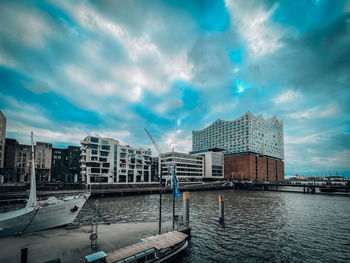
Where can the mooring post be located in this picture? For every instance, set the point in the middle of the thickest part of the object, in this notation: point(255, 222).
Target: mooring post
point(221, 209)
point(186, 198)
point(24, 255)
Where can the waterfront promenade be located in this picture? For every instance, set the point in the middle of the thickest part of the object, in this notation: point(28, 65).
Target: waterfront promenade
point(134, 189)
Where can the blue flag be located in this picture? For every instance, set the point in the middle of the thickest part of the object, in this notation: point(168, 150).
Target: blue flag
point(176, 191)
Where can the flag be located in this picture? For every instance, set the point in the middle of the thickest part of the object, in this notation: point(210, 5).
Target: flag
point(176, 191)
point(160, 185)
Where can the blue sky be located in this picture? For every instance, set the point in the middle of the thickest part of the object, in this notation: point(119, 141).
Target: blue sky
point(69, 69)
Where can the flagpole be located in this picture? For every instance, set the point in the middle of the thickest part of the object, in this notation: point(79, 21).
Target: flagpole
point(174, 197)
point(160, 194)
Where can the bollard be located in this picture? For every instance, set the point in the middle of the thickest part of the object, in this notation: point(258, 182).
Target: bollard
point(24, 255)
point(186, 198)
point(221, 209)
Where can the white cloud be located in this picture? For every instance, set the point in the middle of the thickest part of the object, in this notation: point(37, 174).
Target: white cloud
point(252, 21)
point(168, 105)
point(286, 96)
point(328, 111)
point(28, 26)
point(148, 68)
point(176, 140)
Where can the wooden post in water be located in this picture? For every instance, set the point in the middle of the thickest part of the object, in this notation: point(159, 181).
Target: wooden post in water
point(186, 198)
point(221, 209)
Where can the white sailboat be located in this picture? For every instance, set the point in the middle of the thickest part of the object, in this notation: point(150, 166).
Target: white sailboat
point(36, 216)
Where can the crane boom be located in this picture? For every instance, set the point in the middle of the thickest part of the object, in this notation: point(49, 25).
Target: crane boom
point(153, 141)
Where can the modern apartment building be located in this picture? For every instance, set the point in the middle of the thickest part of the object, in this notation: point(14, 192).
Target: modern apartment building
point(187, 167)
point(104, 160)
point(247, 134)
point(3, 121)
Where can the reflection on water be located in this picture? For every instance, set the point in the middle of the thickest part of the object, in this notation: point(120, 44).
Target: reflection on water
point(259, 226)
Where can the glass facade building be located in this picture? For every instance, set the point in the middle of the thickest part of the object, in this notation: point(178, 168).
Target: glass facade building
point(247, 134)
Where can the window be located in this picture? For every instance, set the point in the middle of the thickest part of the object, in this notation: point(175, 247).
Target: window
point(103, 153)
point(94, 139)
point(105, 147)
point(104, 142)
point(92, 146)
point(94, 152)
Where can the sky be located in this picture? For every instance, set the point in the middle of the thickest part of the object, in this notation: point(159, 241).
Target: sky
point(69, 69)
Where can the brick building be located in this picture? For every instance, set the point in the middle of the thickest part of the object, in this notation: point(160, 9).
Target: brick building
point(253, 167)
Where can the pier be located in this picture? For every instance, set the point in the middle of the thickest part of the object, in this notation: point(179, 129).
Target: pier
point(71, 245)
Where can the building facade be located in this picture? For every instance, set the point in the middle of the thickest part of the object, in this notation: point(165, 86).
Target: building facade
point(213, 163)
point(188, 167)
point(73, 157)
point(10, 160)
point(43, 156)
point(23, 162)
point(247, 134)
point(65, 166)
point(59, 169)
point(3, 121)
point(104, 160)
point(254, 147)
point(253, 167)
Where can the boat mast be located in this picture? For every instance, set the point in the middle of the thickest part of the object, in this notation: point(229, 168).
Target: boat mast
point(160, 179)
point(32, 196)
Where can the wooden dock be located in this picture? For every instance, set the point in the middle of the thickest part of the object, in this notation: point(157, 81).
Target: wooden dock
point(71, 245)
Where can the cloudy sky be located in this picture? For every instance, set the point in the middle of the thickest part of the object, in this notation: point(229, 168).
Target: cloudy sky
point(69, 69)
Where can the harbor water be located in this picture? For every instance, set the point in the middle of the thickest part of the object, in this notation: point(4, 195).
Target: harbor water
point(260, 226)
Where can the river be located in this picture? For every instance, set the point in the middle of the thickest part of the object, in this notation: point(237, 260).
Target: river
point(259, 226)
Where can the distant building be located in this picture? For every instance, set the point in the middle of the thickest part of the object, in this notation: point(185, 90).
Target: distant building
point(73, 157)
point(247, 134)
point(254, 146)
point(65, 166)
point(3, 121)
point(253, 167)
point(154, 169)
point(188, 168)
point(59, 169)
point(43, 155)
point(10, 168)
point(104, 160)
point(213, 163)
point(22, 162)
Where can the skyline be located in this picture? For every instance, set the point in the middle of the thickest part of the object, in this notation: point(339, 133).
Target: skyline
point(73, 69)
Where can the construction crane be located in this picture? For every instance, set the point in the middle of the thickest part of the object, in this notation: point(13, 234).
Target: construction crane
point(160, 179)
point(154, 142)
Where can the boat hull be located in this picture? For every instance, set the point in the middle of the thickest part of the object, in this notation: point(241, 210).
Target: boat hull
point(16, 225)
point(44, 217)
point(56, 215)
